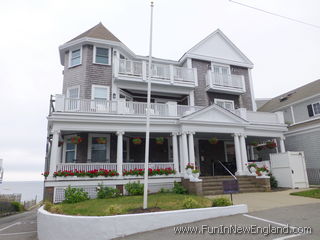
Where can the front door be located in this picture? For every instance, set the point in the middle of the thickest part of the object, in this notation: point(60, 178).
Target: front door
point(210, 155)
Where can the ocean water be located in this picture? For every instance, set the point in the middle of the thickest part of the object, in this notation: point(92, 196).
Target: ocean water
point(29, 189)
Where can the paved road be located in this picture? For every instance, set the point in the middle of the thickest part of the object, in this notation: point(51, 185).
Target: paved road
point(302, 215)
point(19, 227)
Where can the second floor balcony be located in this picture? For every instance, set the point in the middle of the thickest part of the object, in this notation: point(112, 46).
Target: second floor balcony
point(226, 83)
point(165, 74)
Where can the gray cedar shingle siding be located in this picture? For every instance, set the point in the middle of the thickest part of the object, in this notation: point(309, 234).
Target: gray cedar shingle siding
point(200, 94)
point(245, 99)
point(87, 73)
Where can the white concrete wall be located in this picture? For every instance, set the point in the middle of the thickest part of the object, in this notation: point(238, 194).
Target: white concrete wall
point(55, 226)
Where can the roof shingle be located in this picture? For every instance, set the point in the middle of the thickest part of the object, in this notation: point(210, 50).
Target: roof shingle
point(295, 95)
point(99, 31)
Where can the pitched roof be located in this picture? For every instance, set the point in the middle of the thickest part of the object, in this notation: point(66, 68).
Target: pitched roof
point(292, 96)
point(99, 31)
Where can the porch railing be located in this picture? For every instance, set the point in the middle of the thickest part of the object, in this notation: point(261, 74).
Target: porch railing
point(226, 81)
point(131, 166)
point(85, 166)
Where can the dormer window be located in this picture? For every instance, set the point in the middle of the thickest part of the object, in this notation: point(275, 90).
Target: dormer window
point(101, 55)
point(75, 57)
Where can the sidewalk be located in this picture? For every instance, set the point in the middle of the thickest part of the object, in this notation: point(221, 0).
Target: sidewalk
point(258, 201)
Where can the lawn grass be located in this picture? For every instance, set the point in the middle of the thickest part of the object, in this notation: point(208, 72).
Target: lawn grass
point(313, 193)
point(98, 207)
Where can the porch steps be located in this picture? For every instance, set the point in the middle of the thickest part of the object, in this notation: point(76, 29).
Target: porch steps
point(213, 185)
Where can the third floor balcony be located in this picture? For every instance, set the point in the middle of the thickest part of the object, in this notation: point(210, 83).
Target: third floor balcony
point(226, 83)
point(164, 74)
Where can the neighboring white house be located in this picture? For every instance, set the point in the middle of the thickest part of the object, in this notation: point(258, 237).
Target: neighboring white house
point(207, 94)
point(301, 109)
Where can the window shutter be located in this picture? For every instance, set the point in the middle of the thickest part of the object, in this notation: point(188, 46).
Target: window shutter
point(310, 111)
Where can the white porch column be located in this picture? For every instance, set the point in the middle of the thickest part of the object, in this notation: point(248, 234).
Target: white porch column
point(182, 167)
point(185, 157)
point(175, 151)
point(119, 152)
point(54, 156)
point(244, 155)
point(282, 147)
point(191, 148)
point(238, 153)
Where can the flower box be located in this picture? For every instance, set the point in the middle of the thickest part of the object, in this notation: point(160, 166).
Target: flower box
point(136, 141)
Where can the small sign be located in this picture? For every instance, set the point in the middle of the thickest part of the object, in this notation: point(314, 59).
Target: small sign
point(230, 186)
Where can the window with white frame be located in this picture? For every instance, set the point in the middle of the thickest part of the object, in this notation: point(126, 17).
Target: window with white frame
point(72, 101)
point(70, 150)
point(100, 92)
point(99, 148)
point(101, 55)
point(73, 92)
point(227, 104)
point(221, 73)
point(75, 57)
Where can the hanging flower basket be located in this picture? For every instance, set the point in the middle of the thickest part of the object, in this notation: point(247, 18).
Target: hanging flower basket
point(159, 140)
point(76, 140)
point(213, 140)
point(101, 140)
point(271, 145)
point(136, 141)
point(254, 143)
point(259, 148)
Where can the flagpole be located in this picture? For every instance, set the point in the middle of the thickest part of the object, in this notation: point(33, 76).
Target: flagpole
point(146, 161)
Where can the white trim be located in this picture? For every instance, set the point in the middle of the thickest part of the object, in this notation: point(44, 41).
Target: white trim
point(302, 130)
point(254, 104)
point(70, 56)
point(296, 102)
point(107, 136)
point(216, 64)
point(315, 114)
point(94, 55)
point(225, 101)
point(73, 87)
point(93, 86)
point(65, 139)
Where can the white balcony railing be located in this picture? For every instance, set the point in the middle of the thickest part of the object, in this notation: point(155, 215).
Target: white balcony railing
point(169, 109)
point(131, 166)
point(260, 117)
point(225, 82)
point(164, 73)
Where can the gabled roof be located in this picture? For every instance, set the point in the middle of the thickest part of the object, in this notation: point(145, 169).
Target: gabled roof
point(100, 32)
point(214, 114)
point(217, 46)
point(298, 94)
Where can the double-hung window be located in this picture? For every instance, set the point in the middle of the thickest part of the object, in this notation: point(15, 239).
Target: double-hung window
point(314, 109)
point(100, 95)
point(221, 74)
point(101, 55)
point(99, 147)
point(75, 57)
point(227, 104)
point(70, 150)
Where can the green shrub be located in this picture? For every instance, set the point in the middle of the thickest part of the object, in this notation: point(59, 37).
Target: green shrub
point(134, 188)
point(221, 202)
point(190, 203)
point(179, 189)
point(273, 182)
point(74, 195)
point(164, 190)
point(18, 207)
point(113, 210)
point(107, 192)
point(50, 207)
point(47, 206)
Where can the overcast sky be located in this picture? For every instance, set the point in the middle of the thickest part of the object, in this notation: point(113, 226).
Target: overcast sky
point(285, 54)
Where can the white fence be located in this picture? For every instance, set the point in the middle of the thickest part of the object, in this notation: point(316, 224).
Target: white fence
point(225, 80)
point(85, 166)
point(132, 166)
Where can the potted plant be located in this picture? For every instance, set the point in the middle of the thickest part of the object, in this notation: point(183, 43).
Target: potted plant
point(196, 173)
point(101, 140)
point(252, 167)
point(189, 168)
point(271, 145)
point(262, 171)
point(136, 141)
point(76, 140)
point(159, 140)
point(213, 140)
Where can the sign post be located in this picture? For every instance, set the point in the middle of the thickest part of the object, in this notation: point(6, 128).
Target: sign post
point(230, 186)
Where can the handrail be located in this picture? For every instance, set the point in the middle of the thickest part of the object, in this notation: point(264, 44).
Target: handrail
point(228, 170)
